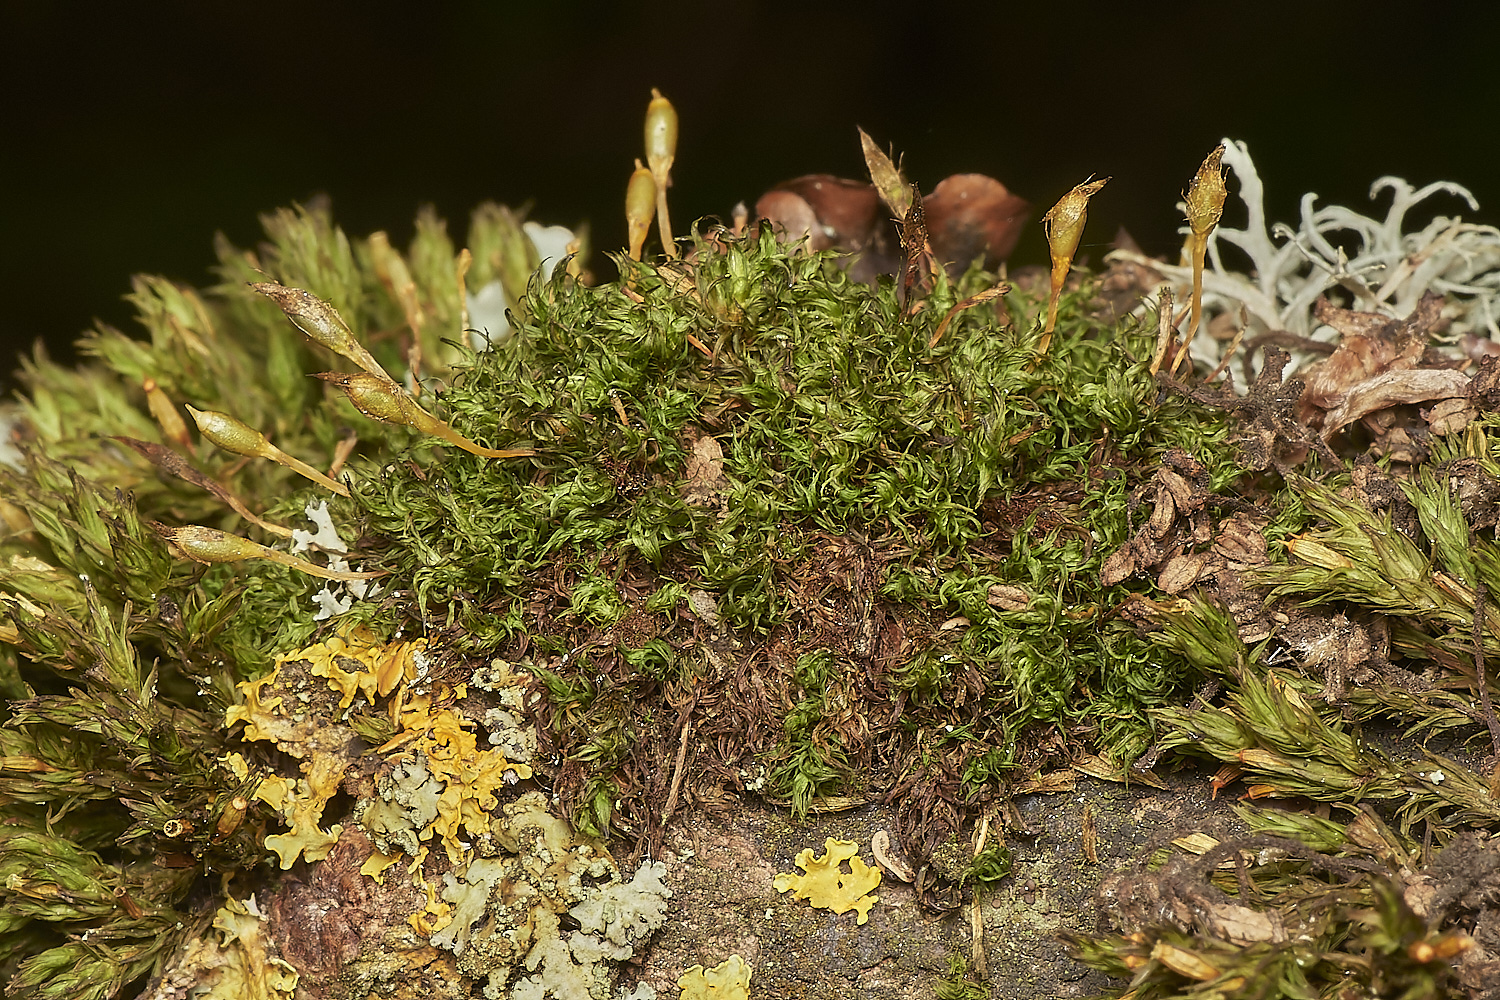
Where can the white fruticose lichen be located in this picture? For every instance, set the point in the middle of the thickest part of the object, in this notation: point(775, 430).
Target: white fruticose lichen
point(326, 537)
point(336, 598)
point(1380, 266)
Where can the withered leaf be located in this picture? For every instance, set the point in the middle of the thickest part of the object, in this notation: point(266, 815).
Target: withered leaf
point(1372, 345)
point(1416, 385)
point(915, 243)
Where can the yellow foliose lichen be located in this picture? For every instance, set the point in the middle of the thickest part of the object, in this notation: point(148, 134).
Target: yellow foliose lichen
point(729, 980)
point(826, 886)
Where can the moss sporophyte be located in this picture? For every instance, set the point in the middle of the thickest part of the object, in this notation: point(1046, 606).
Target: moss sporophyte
point(797, 511)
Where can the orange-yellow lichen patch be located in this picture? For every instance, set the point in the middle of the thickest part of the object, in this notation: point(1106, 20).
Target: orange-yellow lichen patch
point(826, 886)
point(729, 980)
point(356, 664)
point(301, 805)
point(297, 706)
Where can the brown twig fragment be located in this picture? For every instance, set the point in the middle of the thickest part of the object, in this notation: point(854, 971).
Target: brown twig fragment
point(1164, 336)
point(173, 464)
point(682, 746)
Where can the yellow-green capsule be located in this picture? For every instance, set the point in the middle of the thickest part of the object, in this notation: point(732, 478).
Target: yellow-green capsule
point(661, 151)
point(228, 433)
point(210, 545)
point(239, 438)
point(640, 208)
point(321, 322)
point(382, 399)
point(661, 134)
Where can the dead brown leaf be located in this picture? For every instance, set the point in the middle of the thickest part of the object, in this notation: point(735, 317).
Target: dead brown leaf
point(1371, 345)
point(1393, 388)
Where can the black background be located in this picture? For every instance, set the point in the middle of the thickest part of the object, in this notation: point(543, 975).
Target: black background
point(133, 131)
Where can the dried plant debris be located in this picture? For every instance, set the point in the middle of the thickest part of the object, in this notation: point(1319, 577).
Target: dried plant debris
point(1301, 908)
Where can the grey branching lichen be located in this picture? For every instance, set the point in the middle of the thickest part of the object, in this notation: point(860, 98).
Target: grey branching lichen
point(1388, 270)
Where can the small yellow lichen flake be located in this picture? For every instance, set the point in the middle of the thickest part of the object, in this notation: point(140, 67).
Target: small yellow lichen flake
point(729, 980)
point(827, 887)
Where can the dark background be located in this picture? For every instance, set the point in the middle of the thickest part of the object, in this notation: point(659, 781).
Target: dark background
point(133, 131)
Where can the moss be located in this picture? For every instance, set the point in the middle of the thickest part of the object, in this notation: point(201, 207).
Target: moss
point(753, 524)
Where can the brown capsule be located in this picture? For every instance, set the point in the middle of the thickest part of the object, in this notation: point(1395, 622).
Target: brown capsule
point(176, 827)
point(321, 322)
point(231, 818)
point(1064, 221)
point(1064, 224)
point(1206, 194)
point(1204, 199)
point(210, 545)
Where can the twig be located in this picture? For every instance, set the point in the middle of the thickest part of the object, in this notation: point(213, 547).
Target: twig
point(978, 960)
point(666, 814)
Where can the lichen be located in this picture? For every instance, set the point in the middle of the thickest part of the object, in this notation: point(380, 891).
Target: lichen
point(826, 886)
point(729, 980)
point(1388, 269)
point(505, 908)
